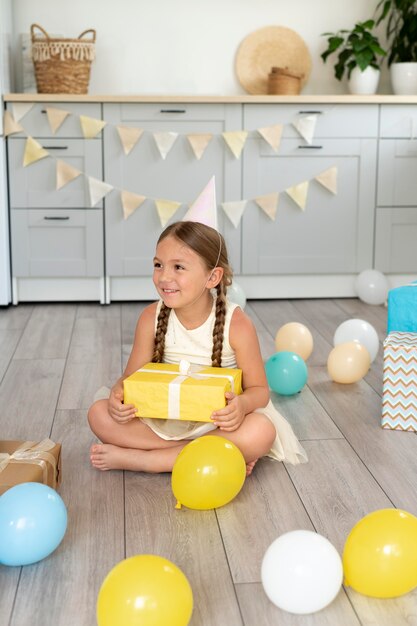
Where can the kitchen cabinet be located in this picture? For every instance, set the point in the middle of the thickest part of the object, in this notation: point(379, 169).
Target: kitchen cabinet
point(130, 244)
point(334, 234)
point(57, 240)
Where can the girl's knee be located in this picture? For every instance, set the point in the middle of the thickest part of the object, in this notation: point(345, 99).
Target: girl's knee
point(96, 412)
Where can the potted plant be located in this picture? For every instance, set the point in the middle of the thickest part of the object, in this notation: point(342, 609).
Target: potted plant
point(359, 52)
point(401, 32)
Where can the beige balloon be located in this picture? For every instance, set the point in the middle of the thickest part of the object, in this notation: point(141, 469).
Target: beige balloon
point(294, 337)
point(348, 362)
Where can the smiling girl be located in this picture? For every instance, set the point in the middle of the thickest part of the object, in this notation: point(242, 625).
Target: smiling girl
point(193, 320)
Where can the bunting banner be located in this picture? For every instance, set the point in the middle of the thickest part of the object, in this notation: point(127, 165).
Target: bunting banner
point(33, 152)
point(272, 135)
point(199, 143)
point(298, 193)
point(166, 209)
point(236, 141)
point(65, 173)
point(328, 179)
point(10, 126)
point(268, 204)
point(20, 109)
point(55, 118)
point(98, 189)
point(164, 142)
point(234, 211)
point(306, 126)
point(204, 208)
point(129, 136)
point(90, 126)
point(130, 202)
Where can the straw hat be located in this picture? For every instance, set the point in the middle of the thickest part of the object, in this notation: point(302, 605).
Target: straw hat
point(267, 47)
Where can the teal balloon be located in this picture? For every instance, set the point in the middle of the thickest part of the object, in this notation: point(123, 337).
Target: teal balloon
point(286, 373)
point(33, 521)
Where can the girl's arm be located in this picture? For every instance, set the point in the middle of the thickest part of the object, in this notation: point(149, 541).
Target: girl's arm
point(141, 353)
point(244, 341)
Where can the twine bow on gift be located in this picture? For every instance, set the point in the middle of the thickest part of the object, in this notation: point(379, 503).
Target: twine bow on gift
point(33, 453)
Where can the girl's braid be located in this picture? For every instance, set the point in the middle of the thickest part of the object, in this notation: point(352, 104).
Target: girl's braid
point(218, 330)
point(161, 329)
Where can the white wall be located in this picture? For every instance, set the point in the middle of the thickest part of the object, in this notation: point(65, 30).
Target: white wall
point(188, 46)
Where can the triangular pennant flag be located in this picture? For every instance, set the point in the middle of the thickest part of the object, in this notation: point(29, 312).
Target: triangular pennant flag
point(164, 142)
point(33, 152)
point(298, 193)
point(234, 211)
point(129, 136)
point(236, 141)
point(268, 204)
point(166, 209)
point(10, 126)
point(204, 208)
point(97, 189)
point(199, 142)
point(272, 135)
point(55, 118)
point(306, 126)
point(130, 202)
point(328, 179)
point(65, 173)
point(90, 126)
point(20, 109)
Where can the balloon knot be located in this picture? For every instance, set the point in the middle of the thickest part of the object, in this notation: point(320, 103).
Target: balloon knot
point(178, 505)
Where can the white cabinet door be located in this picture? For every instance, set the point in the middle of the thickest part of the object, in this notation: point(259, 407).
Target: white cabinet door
point(395, 240)
point(334, 234)
point(130, 244)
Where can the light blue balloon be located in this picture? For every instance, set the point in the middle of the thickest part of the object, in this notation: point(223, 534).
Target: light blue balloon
point(33, 521)
point(236, 294)
point(286, 373)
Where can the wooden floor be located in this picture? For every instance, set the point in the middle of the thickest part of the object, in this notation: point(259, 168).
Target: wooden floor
point(53, 357)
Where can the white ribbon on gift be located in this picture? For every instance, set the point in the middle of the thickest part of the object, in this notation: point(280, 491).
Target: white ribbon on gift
point(33, 453)
point(186, 370)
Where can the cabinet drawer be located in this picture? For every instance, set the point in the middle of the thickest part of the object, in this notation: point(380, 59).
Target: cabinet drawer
point(397, 180)
point(35, 122)
point(157, 112)
point(395, 241)
point(332, 120)
point(34, 186)
point(57, 243)
point(399, 120)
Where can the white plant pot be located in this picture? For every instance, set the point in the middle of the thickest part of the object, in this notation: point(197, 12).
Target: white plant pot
point(363, 83)
point(404, 78)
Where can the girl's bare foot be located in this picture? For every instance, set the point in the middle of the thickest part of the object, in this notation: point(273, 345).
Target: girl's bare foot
point(250, 466)
point(105, 456)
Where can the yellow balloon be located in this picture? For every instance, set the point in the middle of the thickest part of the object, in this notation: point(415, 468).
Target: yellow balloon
point(147, 590)
point(294, 337)
point(379, 557)
point(208, 473)
point(348, 362)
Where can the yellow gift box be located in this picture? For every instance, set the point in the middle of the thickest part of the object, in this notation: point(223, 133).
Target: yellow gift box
point(180, 391)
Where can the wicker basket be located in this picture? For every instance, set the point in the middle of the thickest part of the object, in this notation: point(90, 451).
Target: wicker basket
point(281, 81)
point(62, 65)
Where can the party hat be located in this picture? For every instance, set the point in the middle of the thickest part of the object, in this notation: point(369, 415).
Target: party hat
point(204, 208)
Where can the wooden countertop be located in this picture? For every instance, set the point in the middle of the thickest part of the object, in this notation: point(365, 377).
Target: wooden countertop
point(203, 99)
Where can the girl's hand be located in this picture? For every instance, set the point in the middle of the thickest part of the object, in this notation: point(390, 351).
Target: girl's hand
point(231, 417)
point(118, 411)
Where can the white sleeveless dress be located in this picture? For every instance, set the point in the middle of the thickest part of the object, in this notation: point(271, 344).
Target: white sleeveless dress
point(196, 346)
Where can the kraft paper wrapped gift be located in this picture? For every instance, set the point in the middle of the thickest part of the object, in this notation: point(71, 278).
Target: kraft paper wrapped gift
point(402, 309)
point(29, 461)
point(399, 392)
point(181, 391)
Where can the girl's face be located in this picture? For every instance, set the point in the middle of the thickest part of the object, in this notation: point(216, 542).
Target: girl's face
point(180, 274)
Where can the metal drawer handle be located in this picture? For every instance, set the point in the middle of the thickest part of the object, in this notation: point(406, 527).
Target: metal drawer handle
point(310, 112)
point(173, 111)
point(63, 218)
point(310, 147)
point(55, 147)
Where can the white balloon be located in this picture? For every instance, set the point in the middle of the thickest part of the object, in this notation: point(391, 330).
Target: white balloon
point(360, 331)
point(372, 287)
point(301, 572)
point(236, 294)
